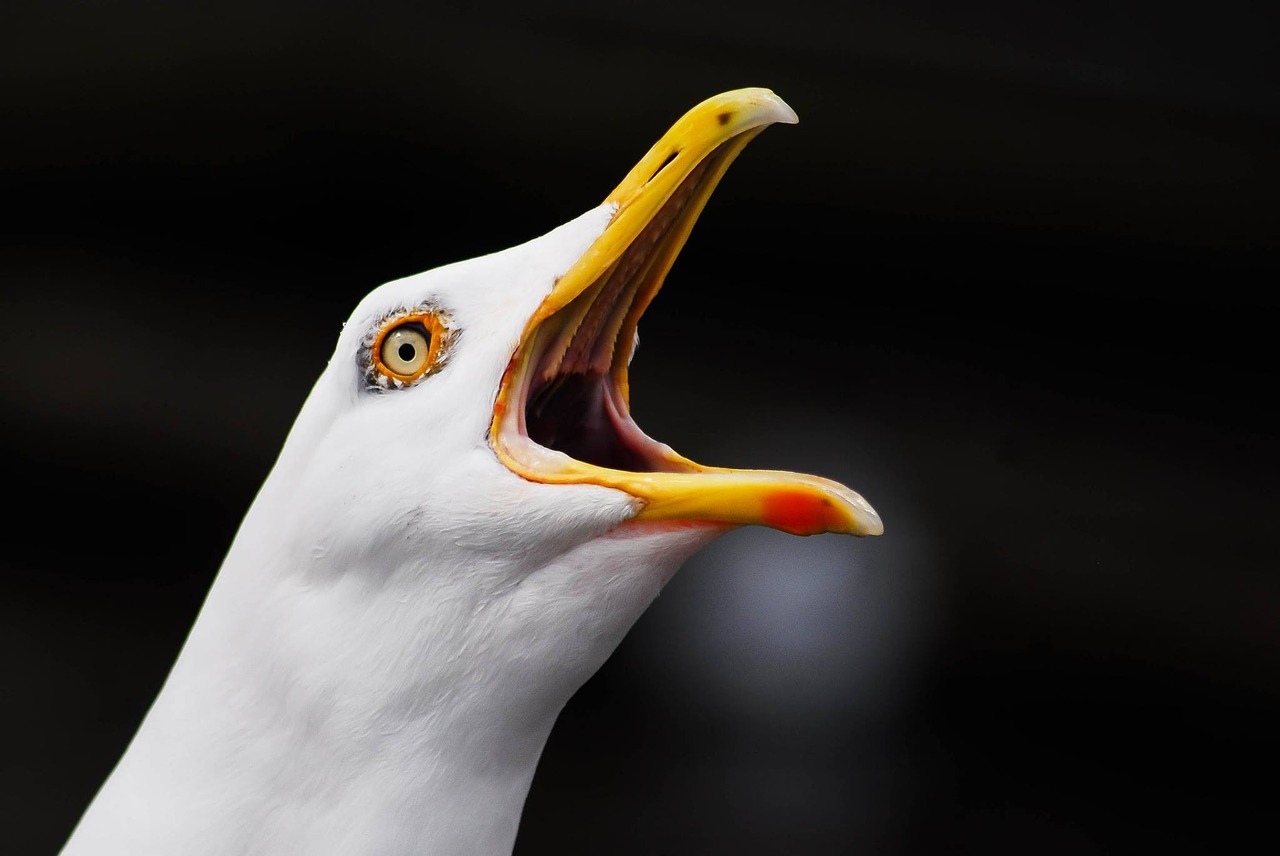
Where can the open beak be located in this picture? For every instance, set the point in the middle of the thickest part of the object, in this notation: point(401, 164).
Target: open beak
point(562, 415)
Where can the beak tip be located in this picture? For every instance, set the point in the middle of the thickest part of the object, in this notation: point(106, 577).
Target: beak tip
point(775, 109)
point(856, 516)
point(750, 108)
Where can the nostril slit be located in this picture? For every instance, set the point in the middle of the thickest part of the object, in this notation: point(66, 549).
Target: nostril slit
point(663, 165)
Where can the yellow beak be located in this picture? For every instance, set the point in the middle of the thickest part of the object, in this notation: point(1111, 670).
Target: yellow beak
point(562, 415)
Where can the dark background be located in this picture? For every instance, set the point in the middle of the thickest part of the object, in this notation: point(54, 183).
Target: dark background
point(1012, 277)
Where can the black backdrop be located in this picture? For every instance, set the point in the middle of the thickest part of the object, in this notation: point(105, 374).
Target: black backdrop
point(1012, 277)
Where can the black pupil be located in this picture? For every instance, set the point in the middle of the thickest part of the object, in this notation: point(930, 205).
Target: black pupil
point(406, 351)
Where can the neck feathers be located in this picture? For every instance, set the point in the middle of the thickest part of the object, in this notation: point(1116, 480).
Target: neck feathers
point(398, 713)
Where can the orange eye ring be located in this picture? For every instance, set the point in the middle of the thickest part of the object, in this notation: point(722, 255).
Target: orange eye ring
point(408, 347)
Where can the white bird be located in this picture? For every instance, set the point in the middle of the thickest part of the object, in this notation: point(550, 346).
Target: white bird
point(461, 526)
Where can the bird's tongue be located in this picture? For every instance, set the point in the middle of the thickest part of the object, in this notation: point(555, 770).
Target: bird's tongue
point(561, 415)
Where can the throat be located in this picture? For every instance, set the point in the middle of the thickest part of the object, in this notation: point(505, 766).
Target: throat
point(258, 744)
point(575, 414)
point(383, 710)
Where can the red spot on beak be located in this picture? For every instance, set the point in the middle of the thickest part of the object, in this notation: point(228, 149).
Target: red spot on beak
point(798, 512)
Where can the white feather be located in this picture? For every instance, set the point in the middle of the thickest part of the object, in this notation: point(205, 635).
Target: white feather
point(400, 618)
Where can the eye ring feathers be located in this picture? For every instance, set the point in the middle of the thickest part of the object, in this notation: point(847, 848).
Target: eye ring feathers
point(405, 347)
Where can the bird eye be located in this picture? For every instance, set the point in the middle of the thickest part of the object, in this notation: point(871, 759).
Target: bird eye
point(407, 348)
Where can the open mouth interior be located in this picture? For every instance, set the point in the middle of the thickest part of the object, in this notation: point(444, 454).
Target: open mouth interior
point(561, 415)
point(573, 398)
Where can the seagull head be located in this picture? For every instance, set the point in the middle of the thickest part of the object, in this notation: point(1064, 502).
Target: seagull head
point(469, 447)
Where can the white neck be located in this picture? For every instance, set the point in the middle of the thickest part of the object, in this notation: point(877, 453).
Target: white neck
point(357, 713)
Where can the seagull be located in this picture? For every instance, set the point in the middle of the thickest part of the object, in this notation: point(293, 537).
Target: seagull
point(462, 524)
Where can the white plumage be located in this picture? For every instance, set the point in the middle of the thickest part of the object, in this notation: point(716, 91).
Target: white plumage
point(462, 525)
